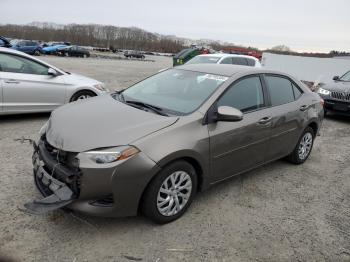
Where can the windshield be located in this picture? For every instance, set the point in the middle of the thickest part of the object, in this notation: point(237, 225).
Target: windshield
point(14, 41)
point(175, 91)
point(203, 60)
point(346, 77)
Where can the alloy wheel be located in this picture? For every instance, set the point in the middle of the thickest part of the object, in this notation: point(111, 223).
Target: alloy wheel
point(305, 146)
point(174, 193)
point(81, 97)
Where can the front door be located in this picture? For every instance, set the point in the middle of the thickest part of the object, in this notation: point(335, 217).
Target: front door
point(239, 146)
point(27, 86)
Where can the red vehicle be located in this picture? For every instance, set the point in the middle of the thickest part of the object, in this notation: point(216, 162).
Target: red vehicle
point(243, 51)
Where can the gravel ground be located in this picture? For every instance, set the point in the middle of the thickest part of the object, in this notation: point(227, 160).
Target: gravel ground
point(279, 212)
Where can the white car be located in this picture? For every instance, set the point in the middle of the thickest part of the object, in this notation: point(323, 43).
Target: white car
point(233, 59)
point(28, 84)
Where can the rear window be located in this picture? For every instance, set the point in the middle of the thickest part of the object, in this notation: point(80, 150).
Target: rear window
point(239, 61)
point(280, 89)
point(297, 91)
point(203, 60)
point(251, 62)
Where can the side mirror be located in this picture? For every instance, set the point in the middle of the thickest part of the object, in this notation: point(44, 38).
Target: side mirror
point(52, 72)
point(229, 114)
point(336, 78)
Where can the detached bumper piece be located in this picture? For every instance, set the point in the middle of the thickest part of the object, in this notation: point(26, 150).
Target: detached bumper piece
point(61, 195)
point(56, 182)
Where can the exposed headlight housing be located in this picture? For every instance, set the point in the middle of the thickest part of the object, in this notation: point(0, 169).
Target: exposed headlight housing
point(322, 91)
point(101, 87)
point(111, 155)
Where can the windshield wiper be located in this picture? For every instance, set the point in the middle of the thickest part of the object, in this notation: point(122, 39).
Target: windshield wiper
point(139, 104)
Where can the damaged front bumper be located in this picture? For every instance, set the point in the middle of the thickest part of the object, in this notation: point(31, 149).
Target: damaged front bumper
point(107, 190)
point(55, 182)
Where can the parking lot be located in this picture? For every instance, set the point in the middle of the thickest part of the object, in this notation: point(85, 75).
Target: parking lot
point(280, 212)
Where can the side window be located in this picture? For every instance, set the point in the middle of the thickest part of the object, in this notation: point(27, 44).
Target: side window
point(280, 89)
point(251, 62)
point(2, 43)
point(297, 91)
point(17, 64)
point(239, 61)
point(227, 60)
point(245, 95)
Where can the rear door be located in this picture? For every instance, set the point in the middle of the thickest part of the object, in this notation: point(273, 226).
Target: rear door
point(239, 146)
point(21, 46)
point(27, 86)
point(286, 113)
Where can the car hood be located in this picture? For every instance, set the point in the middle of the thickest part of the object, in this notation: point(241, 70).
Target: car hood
point(337, 86)
point(73, 78)
point(101, 122)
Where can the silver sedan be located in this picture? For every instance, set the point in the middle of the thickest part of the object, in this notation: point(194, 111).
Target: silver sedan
point(29, 85)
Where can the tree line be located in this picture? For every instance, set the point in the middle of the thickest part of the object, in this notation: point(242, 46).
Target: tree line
point(103, 36)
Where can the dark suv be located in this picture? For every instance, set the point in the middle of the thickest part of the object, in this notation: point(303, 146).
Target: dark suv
point(135, 54)
point(336, 95)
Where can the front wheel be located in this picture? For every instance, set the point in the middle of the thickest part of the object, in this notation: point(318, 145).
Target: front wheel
point(303, 148)
point(170, 193)
point(81, 95)
point(37, 53)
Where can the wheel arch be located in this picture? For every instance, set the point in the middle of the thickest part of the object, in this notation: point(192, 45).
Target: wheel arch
point(314, 126)
point(80, 90)
point(195, 162)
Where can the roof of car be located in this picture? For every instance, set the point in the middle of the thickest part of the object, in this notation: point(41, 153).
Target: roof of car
point(217, 69)
point(221, 55)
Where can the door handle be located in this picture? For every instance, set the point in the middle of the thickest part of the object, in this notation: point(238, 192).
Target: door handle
point(304, 107)
point(265, 120)
point(11, 81)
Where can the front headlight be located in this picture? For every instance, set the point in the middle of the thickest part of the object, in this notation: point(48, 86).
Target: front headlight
point(111, 155)
point(101, 87)
point(322, 91)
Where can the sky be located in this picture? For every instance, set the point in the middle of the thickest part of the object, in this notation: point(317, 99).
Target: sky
point(303, 25)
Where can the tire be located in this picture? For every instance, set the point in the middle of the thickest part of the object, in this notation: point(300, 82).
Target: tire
point(303, 148)
point(37, 53)
point(80, 95)
point(84, 56)
point(170, 204)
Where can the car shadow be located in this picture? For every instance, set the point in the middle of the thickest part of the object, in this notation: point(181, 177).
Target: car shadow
point(23, 117)
point(234, 183)
point(337, 117)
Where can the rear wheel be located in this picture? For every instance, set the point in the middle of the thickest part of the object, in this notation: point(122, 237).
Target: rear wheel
point(84, 94)
point(170, 193)
point(303, 148)
point(37, 52)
